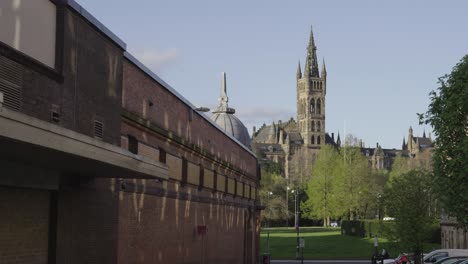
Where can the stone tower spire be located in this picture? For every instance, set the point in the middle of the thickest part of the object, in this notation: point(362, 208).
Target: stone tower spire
point(403, 146)
point(410, 139)
point(311, 92)
point(311, 67)
point(299, 72)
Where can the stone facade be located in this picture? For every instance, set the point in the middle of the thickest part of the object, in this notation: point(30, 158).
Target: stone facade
point(294, 144)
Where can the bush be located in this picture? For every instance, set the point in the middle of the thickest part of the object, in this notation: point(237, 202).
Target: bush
point(385, 229)
point(366, 228)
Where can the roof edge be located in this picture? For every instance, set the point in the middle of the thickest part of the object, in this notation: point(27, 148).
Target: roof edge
point(169, 88)
point(94, 21)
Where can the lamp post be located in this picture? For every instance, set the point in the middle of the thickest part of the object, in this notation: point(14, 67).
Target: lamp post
point(268, 221)
point(287, 206)
point(296, 219)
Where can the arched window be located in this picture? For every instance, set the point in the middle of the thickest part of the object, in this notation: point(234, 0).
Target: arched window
point(312, 106)
point(313, 125)
point(318, 140)
point(319, 106)
point(319, 127)
point(312, 140)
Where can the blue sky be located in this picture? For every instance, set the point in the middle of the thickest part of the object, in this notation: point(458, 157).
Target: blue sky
point(382, 57)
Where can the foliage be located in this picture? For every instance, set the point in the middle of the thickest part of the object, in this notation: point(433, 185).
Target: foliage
point(342, 185)
point(409, 199)
point(272, 195)
point(358, 189)
point(448, 116)
point(322, 188)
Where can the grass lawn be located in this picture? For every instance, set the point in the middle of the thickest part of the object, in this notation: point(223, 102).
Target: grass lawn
point(323, 243)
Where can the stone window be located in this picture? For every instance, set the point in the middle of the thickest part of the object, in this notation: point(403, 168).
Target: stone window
point(319, 126)
point(313, 125)
point(312, 140)
point(318, 140)
point(312, 106)
point(319, 106)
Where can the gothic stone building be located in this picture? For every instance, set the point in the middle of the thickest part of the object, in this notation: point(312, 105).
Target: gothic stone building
point(295, 143)
point(298, 141)
point(102, 161)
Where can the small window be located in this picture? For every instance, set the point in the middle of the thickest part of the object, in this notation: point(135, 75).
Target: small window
point(162, 155)
point(318, 140)
point(98, 129)
point(312, 140)
point(132, 144)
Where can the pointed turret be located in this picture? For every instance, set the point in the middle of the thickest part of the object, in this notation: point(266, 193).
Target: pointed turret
point(299, 72)
point(324, 70)
point(424, 133)
point(338, 140)
point(403, 146)
point(311, 66)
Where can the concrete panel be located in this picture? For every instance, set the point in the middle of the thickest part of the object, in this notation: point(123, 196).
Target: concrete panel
point(29, 26)
point(174, 165)
point(221, 183)
point(193, 176)
point(208, 180)
point(231, 186)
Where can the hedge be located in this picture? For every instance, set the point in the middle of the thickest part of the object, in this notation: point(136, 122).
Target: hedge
point(385, 229)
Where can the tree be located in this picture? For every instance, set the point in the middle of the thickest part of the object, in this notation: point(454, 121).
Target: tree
point(448, 116)
point(273, 193)
point(355, 183)
point(408, 199)
point(321, 188)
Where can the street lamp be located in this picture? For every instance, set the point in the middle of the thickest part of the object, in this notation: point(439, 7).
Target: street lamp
point(296, 219)
point(287, 206)
point(268, 221)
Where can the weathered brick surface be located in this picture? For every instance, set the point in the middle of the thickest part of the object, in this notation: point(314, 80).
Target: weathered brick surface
point(24, 226)
point(172, 114)
point(87, 217)
point(164, 230)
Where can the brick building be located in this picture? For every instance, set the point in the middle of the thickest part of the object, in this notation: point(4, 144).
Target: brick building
point(102, 161)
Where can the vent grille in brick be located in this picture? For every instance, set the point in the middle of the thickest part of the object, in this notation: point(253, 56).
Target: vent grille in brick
point(11, 81)
point(98, 129)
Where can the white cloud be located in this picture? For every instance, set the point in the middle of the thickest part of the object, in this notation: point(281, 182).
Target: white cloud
point(156, 60)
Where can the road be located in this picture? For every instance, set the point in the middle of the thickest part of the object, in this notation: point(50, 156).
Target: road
point(321, 261)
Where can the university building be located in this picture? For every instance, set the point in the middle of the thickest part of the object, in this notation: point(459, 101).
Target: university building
point(104, 162)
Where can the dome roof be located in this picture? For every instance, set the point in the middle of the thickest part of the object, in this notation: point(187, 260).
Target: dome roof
point(224, 117)
point(233, 126)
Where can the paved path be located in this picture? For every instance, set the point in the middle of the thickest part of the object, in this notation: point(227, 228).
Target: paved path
point(321, 261)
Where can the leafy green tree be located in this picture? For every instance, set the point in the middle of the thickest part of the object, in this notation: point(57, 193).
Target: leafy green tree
point(321, 188)
point(356, 188)
point(408, 199)
point(448, 116)
point(273, 194)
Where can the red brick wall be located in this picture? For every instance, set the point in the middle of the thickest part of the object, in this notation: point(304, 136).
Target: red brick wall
point(24, 225)
point(172, 114)
point(155, 229)
point(87, 221)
